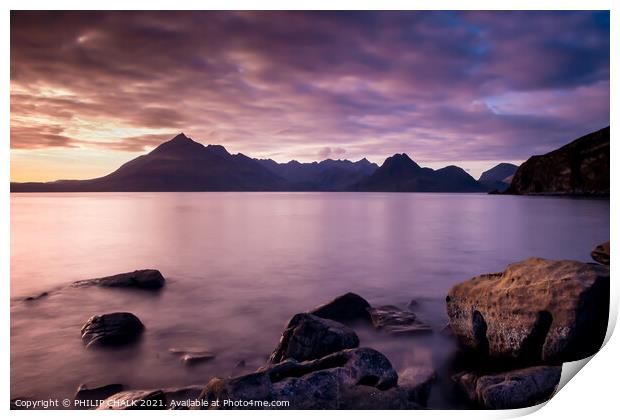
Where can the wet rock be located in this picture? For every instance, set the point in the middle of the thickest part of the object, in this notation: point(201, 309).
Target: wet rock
point(601, 253)
point(37, 297)
point(397, 321)
point(537, 309)
point(308, 337)
point(88, 397)
point(347, 308)
point(194, 358)
point(417, 382)
point(514, 389)
point(323, 383)
point(193, 355)
point(135, 400)
point(111, 329)
point(140, 279)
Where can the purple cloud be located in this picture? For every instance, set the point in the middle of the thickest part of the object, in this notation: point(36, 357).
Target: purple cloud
point(441, 86)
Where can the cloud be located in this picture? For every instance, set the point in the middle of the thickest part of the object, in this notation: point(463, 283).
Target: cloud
point(441, 86)
point(327, 152)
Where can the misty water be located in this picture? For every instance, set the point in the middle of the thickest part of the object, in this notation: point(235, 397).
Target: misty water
point(239, 265)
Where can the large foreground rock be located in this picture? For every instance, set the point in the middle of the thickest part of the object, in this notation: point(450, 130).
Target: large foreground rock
point(601, 253)
point(537, 309)
point(331, 382)
point(347, 308)
point(111, 329)
point(514, 389)
point(140, 279)
point(308, 337)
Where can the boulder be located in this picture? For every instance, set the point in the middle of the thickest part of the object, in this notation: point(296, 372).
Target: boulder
point(111, 329)
point(308, 337)
point(397, 321)
point(601, 253)
point(135, 400)
point(514, 389)
point(326, 383)
point(536, 310)
point(89, 397)
point(140, 279)
point(347, 309)
point(417, 382)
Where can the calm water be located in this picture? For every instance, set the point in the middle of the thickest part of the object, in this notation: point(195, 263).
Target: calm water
point(239, 265)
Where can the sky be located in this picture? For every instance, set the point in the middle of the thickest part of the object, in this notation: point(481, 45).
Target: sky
point(92, 90)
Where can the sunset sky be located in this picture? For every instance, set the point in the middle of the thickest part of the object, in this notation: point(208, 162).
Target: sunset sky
point(90, 91)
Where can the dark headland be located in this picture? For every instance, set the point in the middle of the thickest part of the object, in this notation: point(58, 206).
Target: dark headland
point(182, 164)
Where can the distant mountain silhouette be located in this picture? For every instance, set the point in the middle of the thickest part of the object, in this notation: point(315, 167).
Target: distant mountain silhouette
point(328, 175)
point(401, 174)
point(182, 164)
point(578, 168)
point(498, 177)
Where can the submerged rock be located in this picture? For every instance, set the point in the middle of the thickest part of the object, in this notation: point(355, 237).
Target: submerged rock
point(326, 383)
point(192, 356)
point(397, 321)
point(417, 382)
point(135, 400)
point(513, 389)
point(37, 297)
point(537, 309)
point(149, 279)
point(111, 329)
point(346, 308)
point(308, 337)
point(601, 253)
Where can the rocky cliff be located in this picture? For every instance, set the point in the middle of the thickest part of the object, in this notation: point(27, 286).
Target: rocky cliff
point(578, 168)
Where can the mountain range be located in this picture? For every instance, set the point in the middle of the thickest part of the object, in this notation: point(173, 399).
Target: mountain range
point(181, 164)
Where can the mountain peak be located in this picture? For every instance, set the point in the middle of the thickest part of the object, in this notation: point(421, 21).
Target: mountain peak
point(178, 144)
point(400, 159)
point(217, 149)
point(180, 137)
